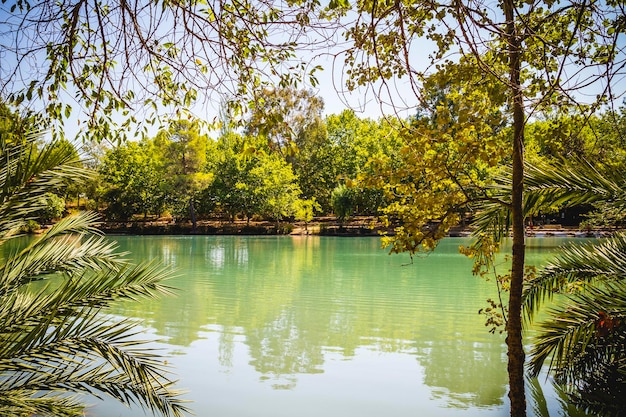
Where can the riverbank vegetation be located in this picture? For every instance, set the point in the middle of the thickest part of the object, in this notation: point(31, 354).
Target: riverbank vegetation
point(338, 166)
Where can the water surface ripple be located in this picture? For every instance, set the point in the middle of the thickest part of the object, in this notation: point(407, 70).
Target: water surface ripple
point(326, 327)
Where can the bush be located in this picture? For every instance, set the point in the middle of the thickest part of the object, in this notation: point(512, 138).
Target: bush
point(30, 227)
point(343, 202)
point(54, 207)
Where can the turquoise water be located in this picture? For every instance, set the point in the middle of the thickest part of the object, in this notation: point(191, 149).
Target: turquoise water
point(327, 327)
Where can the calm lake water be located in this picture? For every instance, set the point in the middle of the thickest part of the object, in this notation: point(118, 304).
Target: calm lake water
point(327, 327)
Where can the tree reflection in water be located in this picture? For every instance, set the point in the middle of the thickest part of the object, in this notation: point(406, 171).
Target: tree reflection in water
point(335, 322)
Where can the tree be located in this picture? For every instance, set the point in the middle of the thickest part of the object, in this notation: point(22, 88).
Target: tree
point(282, 117)
point(546, 50)
point(451, 150)
point(274, 187)
point(54, 207)
point(250, 179)
point(358, 146)
point(232, 184)
point(134, 180)
point(305, 210)
point(184, 156)
point(290, 121)
point(343, 201)
point(55, 340)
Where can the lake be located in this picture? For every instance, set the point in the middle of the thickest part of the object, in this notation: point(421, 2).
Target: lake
point(327, 327)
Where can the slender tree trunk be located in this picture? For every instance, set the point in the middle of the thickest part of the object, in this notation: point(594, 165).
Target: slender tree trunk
point(192, 214)
point(517, 395)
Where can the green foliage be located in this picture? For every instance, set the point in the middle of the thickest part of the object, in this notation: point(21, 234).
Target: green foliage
point(184, 152)
point(274, 187)
point(291, 123)
point(306, 209)
point(343, 201)
point(133, 178)
point(109, 59)
point(583, 338)
point(359, 146)
point(54, 207)
point(248, 180)
point(282, 116)
point(451, 150)
point(30, 227)
point(55, 341)
point(232, 188)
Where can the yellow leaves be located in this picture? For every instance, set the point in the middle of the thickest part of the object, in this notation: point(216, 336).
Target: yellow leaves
point(449, 151)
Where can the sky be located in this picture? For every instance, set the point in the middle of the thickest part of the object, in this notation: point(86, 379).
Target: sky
point(372, 101)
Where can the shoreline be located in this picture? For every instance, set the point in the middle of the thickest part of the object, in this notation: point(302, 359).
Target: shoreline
point(326, 226)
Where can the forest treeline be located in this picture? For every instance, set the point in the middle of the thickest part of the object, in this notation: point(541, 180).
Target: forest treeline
point(286, 161)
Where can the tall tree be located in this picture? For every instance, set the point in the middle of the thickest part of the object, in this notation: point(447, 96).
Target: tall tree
point(232, 185)
point(184, 150)
point(282, 117)
point(275, 187)
point(360, 144)
point(134, 179)
point(290, 121)
point(547, 50)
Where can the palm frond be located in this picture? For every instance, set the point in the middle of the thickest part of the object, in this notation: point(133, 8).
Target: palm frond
point(27, 173)
point(56, 341)
point(584, 335)
point(65, 350)
point(24, 404)
point(562, 183)
point(573, 182)
point(577, 264)
point(95, 356)
point(27, 314)
point(66, 254)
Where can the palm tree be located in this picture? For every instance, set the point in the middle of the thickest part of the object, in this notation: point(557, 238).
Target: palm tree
point(56, 343)
point(584, 338)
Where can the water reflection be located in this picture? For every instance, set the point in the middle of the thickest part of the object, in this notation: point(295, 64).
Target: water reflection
point(327, 320)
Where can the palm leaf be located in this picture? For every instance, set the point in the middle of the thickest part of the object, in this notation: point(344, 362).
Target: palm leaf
point(564, 183)
point(62, 351)
point(56, 341)
point(577, 264)
point(20, 404)
point(27, 173)
point(573, 182)
point(573, 340)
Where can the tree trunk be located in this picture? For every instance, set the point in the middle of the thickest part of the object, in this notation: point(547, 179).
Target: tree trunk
point(517, 395)
point(192, 215)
